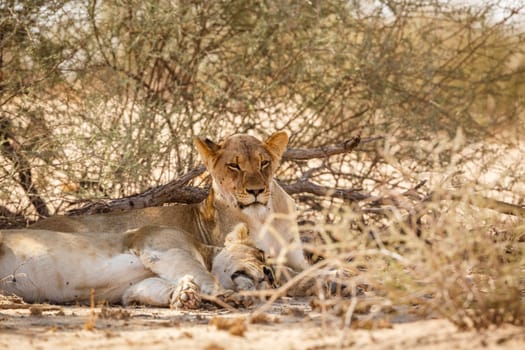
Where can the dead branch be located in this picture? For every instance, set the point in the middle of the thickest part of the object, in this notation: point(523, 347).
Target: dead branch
point(347, 146)
point(482, 202)
point(175, 191)
point(9, 219)
point(12, 151)
point(380, 205)
point(178, 191)
point(304, 186)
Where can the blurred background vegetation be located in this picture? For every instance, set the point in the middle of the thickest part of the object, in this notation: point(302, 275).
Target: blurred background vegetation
point(101, 99)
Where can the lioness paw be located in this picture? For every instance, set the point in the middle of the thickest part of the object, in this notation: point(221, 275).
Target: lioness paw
point(235, 299)
point(186, 295)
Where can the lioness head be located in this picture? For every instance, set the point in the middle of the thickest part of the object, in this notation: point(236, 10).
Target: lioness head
point(240, 265)
point(242, 166)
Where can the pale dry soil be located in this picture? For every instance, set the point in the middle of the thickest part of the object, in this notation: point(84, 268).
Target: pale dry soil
point(286, 324)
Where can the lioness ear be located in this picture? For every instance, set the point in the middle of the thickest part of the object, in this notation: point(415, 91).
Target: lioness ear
point(277, 143)
point(239, 235)
point(206, 148)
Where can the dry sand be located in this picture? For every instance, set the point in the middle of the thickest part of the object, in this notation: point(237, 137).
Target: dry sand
point(288, 324)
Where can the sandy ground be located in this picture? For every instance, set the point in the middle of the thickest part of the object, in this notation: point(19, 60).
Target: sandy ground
point(288, 324)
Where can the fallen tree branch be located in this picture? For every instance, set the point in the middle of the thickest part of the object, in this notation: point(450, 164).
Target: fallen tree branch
point(177, 191)
point(192, 194)
point(9, 219)
point(304, 186)
point(481, 202)
point(381, 205)
point(322, 152)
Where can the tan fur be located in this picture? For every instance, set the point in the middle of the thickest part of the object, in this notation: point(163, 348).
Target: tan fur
point(243, 191)
point(152, 265)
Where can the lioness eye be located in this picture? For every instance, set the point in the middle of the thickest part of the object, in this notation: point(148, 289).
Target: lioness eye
point(269, 275)
point(265, 164)
point(260, 255)
point(240, 273)
point(233, 166)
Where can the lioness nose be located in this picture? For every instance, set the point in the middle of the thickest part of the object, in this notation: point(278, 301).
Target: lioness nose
point(255, 191)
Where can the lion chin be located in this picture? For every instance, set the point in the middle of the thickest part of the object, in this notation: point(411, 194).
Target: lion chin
point(255, 204)
point(256, 212)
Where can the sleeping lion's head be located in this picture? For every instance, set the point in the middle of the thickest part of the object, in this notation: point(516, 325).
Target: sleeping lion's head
point(240, 265)
point(242, 166)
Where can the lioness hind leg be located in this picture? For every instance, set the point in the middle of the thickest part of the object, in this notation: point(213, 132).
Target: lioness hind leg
point(152, 291)
point(186, 295)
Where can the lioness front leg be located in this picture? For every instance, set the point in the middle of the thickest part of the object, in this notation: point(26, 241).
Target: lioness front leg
point(190, 277)
point(184, 270)
point(156, 291)
point(173, 264)
point(186, 295)
point(152, 291)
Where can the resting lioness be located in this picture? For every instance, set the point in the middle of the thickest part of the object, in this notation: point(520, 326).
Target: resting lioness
point(243, 190)
point(151, 265)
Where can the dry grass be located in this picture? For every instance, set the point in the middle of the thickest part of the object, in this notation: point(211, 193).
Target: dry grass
point(91, 322)
point(459, 262)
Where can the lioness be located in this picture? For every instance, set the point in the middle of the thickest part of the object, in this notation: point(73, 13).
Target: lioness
point(243, 191)
point(152, 265)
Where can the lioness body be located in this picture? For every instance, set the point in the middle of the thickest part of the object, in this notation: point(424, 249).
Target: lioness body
point(243, 191)
point(152, 265)
point(32, 268)
point(186, 217)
